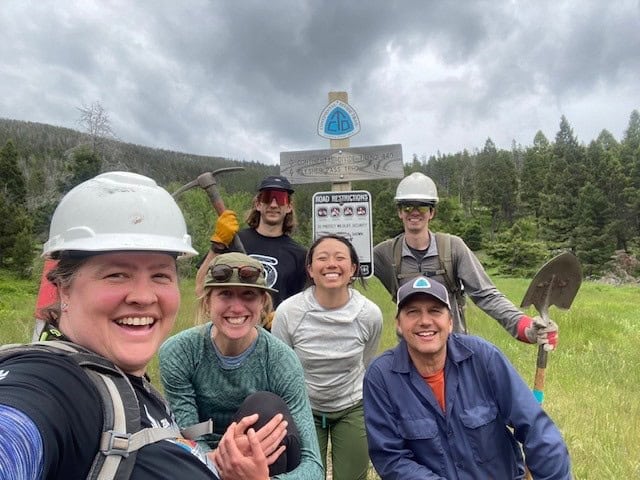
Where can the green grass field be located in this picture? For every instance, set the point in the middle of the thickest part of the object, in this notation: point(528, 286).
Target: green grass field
point(592, 386)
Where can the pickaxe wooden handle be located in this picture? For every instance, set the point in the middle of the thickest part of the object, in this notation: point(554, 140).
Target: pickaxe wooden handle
point(207, 181)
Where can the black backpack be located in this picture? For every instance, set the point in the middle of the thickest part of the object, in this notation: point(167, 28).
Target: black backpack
point(122, 435)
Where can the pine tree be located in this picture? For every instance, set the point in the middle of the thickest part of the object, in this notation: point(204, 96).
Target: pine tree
point(534, 169)
point(593, 243)
point(562, 184)
point(84, 164)
point(12, 184)
point(386, 223)
point(496, 184)
point(630, 162)
point(15, 225)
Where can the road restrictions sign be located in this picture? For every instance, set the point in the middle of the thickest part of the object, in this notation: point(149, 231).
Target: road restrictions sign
point(347, 214)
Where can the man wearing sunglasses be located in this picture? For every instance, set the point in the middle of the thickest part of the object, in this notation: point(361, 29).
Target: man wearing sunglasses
point(419, 251)
point(270, 221)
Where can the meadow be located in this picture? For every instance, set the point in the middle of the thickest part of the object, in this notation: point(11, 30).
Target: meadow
point(592, 386)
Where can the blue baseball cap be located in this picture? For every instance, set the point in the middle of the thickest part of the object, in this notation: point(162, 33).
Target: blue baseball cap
point(275, 182)
point(424, 286)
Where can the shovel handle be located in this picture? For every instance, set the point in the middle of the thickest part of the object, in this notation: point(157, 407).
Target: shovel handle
point(538, 382)
point(538, 386)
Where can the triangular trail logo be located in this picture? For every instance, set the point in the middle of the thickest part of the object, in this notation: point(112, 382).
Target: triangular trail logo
point(338, 120)
point(421, 283)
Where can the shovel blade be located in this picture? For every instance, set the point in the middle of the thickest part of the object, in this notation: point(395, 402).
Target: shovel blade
point(556, 283)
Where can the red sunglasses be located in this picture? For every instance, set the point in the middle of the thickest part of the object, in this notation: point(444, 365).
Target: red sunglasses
point(281, 197)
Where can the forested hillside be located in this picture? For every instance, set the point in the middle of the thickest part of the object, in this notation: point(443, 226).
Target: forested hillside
point(520, 206)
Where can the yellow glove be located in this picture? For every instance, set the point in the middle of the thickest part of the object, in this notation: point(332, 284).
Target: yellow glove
point(226, 228)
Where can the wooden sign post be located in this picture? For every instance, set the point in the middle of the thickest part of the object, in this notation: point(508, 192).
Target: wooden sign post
point(339, 185)
point(343, 211)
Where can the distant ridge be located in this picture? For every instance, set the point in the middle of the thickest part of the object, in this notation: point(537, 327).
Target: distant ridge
point(46, 147)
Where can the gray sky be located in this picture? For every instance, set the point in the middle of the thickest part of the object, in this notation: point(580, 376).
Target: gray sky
point(249, 79)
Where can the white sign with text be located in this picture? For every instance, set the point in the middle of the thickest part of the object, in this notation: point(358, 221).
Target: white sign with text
point(347, 214)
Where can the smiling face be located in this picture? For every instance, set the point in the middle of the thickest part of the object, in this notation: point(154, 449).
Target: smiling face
point(235, 312)
point(425, 324)
point(331, 264)
point(415, 220)
point(273, 206)
point(122, 306)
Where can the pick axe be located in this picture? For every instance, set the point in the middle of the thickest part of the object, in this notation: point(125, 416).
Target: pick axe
point(208, 182)
point(556, 283)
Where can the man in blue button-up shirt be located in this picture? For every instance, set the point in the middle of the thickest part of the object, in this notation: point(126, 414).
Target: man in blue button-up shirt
point(450, 406)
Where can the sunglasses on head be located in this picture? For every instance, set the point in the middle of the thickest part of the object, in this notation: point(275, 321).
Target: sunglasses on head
point(223, 273)
point(409, 207)
point(281, 197)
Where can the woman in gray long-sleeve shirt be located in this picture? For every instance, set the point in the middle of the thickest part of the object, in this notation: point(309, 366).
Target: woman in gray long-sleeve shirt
point(335, 331)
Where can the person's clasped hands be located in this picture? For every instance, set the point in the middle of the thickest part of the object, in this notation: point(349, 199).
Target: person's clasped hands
point(536, 330)
point(244, 453)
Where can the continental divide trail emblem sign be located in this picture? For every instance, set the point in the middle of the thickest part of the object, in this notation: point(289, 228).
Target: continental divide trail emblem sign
point(338, 120)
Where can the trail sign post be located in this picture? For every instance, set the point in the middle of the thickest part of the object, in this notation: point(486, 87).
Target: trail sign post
point(342, 211)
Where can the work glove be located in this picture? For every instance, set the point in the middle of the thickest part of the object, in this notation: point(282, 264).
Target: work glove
point(226, 228)
point(534, 330)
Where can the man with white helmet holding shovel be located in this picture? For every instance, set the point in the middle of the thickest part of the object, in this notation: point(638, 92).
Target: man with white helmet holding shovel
point(420, 252)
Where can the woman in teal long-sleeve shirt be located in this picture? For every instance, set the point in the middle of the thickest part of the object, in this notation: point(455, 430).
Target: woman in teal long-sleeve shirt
point(209, 370)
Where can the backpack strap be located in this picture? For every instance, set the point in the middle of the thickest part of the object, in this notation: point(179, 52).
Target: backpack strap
point(197, 430)
point(121, 416)
point(445, 259)
point(396, 249)
point(444, 267)
point(443, 242)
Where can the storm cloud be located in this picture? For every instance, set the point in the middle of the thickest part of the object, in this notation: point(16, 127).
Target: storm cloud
point(248, 79)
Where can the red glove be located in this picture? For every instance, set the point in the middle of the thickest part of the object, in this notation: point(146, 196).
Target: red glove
point(535, 330)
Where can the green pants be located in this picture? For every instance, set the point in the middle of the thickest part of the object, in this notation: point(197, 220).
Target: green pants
point(349, 453)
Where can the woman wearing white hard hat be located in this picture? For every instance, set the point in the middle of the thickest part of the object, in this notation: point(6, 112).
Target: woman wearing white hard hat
point(116, 238)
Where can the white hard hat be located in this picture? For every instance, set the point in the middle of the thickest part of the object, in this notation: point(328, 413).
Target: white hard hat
point(416, 187)
point(118, 211)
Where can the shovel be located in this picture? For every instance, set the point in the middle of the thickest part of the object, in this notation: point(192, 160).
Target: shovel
point(556, 283)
